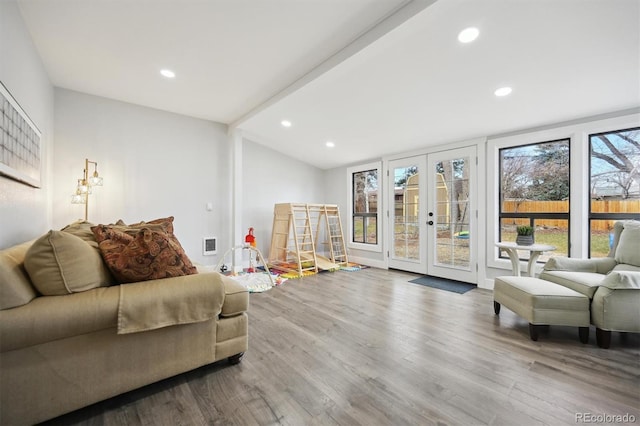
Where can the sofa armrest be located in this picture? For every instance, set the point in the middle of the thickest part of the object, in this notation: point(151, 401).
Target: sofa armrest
point(236, 297)
point(601, 265)
point(616, 280)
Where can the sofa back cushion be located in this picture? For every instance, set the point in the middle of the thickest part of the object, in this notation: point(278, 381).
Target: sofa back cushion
point(142, 252)
point(61, 263)
point(628, 248)
point(15, 287)
point(82, 229)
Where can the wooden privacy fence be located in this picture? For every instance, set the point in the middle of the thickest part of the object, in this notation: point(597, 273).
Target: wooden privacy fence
point(597, 206)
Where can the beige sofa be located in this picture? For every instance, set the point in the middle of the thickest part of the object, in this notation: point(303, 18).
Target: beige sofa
point(612, 283)
point(62, 352)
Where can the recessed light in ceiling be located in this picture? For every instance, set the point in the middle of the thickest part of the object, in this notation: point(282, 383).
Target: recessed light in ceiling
point(330, 144)
point(503, 91)
point(468, 35)
point(167, 73)
point(285, 123)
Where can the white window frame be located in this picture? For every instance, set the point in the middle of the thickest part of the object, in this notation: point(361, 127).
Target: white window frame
point(363, 168)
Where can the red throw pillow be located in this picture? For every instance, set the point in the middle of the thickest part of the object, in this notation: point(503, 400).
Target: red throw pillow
point(141, 254)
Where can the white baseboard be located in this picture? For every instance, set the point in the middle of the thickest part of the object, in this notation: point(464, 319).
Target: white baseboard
point(368, 262)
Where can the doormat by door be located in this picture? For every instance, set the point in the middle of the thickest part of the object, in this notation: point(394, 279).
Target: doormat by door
point(444, 284)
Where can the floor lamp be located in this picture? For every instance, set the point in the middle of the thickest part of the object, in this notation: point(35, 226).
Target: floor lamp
point(85, 185)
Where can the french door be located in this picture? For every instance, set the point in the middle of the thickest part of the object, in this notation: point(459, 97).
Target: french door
point(432, 214)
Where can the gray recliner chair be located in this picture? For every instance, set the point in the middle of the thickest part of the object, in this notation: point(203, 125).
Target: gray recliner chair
point(612, 283)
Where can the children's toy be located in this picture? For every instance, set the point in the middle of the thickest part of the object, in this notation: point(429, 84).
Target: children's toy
point(297, 229)
point(350, 267)
point(250, 239)
point(254, 279)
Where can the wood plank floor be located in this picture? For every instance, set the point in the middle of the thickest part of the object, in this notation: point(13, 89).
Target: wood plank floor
point(370, 348)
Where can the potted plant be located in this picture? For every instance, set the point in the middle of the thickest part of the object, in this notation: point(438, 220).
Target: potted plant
point(525, 235)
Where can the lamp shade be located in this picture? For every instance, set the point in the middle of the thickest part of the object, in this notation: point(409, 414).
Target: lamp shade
point(78, 199)
point(85, 186)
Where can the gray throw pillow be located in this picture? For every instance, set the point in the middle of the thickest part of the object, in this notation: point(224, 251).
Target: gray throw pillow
point(628, 250)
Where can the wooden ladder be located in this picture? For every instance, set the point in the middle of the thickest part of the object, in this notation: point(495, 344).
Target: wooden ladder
point(292, 244)
point(335, 236)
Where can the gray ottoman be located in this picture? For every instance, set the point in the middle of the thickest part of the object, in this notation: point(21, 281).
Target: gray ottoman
point(542, 303)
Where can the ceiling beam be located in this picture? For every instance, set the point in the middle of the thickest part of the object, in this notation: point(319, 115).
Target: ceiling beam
point(386, 24)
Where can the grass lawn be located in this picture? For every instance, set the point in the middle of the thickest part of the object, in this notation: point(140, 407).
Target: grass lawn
point(558, 238)
point(554, 237)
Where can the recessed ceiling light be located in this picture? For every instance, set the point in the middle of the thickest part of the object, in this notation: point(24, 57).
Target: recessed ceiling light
point(168, 73)
point(330, 144)
point(503, 91)
point(285, 123)
point(468, 35)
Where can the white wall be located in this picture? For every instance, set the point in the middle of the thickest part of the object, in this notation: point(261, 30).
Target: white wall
point(270, 177)
point(154, 164)
point(25, 211)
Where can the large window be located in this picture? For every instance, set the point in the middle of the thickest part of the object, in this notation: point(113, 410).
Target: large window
point(614, 184)
point(364, 208)
point(534, 191)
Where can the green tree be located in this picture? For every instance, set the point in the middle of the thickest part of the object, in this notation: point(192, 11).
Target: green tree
point(615, 159)
point(550, 174)
point(364, 184)
point(408, 172)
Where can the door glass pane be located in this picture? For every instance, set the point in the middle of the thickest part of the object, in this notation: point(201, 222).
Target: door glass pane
point(452, 213)
point(406, 229)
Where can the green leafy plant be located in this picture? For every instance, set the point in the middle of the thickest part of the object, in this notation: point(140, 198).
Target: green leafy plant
point(524, 230)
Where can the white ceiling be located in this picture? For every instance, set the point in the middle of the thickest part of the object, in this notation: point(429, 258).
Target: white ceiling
point(376, 77)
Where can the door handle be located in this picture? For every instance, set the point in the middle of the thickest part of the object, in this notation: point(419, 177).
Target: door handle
point(430, 222)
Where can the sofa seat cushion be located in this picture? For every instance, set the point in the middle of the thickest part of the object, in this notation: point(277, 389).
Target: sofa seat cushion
point(623, 267)
point(15, 286)
point(61, 263)
point(50, 318)
point(583, 282)
point(616, 309)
